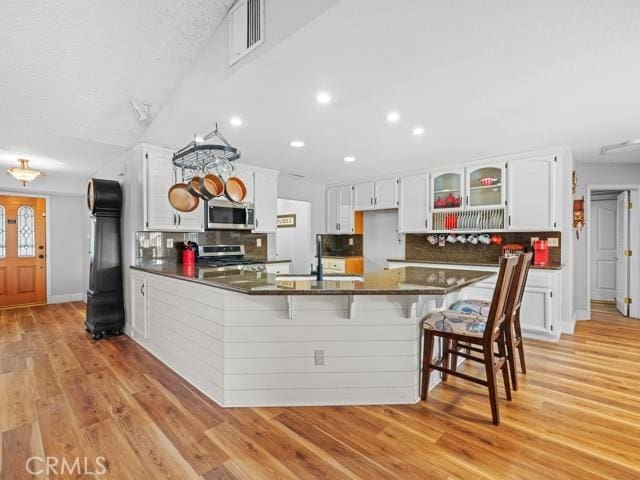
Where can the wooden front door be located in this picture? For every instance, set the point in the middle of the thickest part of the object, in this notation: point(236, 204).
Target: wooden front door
point(22, 251)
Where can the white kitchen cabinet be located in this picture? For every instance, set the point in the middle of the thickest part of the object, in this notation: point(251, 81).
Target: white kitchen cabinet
point(159, 176)
point(447, 189)
point(278, 268)
point(386, 193)
point(485, 186)
point(266, 200)
point(413, 211)
point(339, 210)
point(363, 196)
point(531, 199)
point(139, 318)
point(333, 209)
point(345, 213)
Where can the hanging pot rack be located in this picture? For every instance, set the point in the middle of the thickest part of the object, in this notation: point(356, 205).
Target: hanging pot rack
point(200, 156)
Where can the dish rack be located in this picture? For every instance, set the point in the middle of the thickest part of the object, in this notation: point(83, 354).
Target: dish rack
point(469, 220)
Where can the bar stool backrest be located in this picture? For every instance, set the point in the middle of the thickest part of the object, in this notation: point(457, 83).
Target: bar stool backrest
point(497, 311)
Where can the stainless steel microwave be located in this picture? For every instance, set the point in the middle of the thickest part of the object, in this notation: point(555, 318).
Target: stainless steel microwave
point(226, 215)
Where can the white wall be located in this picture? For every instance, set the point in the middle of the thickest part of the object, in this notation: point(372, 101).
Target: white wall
point(601, 174)
point(66, 220)
point(295, 189)
point(380, 239)
point(293, 242)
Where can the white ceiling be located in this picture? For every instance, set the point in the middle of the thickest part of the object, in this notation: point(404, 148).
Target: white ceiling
point(483, 78)
point(70, 67)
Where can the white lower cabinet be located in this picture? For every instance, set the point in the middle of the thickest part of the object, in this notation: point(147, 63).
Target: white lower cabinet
point(278, 268)
point(139, 317)
point(540, 312)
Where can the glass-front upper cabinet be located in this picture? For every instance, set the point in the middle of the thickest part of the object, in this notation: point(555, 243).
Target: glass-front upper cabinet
point(485, 186)
point(447, 188)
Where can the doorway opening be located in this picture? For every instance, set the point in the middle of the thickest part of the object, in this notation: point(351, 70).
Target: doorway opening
point(23, 251)
point(612, 234)
point(293, 238)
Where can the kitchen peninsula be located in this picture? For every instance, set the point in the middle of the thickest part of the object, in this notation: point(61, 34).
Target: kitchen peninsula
point(256, 339)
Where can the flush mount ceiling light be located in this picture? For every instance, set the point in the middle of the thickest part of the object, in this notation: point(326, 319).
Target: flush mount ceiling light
point(393, 117)
point(349, 159)
point(296, 143)
point(141, 109)
point(627, 146)
point(23, 173)
point(417, 130)
point(235, 121)
point(323, 97)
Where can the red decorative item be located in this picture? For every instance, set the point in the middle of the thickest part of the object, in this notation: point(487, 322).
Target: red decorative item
point(540, 252)
point(439, 203)
point(450, 201)
point(188, 257)
point(487, 181)
point(451, 222)
point(496, 239)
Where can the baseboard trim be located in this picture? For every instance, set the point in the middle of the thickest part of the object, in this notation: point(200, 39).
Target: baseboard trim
point(68, 297)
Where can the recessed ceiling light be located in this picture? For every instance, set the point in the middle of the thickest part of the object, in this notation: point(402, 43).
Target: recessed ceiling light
point(323, 97)
point(417, 130)
point(235, 121)
point(349, 159)
point(296, 143)
point(393, 117)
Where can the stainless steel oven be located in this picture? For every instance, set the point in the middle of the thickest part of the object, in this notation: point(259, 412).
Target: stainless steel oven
point(225, 215)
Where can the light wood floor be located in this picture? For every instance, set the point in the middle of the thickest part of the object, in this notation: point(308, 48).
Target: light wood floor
point(577, 415)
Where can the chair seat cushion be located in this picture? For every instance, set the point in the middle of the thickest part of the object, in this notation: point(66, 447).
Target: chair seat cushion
point(472, 307)
point(455, 322)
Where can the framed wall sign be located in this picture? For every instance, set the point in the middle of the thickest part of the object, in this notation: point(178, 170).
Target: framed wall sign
point(287, 221)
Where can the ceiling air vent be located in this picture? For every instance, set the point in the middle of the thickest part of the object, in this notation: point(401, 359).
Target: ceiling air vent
point(246, 28)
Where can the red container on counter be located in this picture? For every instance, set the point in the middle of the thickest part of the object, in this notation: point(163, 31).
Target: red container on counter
point(188, 257)
point(540, 252)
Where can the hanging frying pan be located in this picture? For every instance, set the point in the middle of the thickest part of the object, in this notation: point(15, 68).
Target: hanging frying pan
point(193, 186)
point(181, 199)
point(211, 186)
point(235, 189)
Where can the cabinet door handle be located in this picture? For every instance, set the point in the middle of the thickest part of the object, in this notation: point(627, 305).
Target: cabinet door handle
point(371, 200)
point(339, 226)
point(426, 223)
point(257, 223)
point(375, 201)
point(179, 219)
point(142, 289)
point(509, 220)
point(174, 219)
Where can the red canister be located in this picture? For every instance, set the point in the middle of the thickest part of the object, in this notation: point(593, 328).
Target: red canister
point(540, 252)
point(188, 257)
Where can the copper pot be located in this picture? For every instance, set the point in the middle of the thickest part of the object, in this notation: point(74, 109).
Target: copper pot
point(235, 190)
point(181, 199)
point(211, 186)
point(193, 186)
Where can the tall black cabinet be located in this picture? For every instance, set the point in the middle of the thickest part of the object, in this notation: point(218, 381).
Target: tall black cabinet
point(105, 309)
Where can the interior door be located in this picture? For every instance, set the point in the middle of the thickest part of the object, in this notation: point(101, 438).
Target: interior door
point(22, 251)
point(603, 233)
point(622, 258)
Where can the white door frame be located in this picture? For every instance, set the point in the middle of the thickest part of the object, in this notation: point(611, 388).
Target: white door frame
point(634, 240)
point(47, 218)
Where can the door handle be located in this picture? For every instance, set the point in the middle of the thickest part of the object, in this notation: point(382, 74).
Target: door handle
point(142, 289)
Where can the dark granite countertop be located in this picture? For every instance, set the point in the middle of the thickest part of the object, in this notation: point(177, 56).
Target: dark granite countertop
point(269, 260)
point(398, 281)
point(475, 264)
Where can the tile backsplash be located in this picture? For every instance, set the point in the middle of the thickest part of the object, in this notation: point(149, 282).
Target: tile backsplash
point(339, 245)
point(154, 245)
point(418, 248)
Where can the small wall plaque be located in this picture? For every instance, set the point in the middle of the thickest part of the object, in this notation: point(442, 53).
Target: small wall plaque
point(287, 221)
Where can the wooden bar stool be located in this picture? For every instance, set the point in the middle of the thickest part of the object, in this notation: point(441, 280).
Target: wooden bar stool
point(477, 332)
point(512, 330)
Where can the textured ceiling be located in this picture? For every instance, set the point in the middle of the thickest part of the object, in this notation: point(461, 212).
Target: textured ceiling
point(68, 69)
